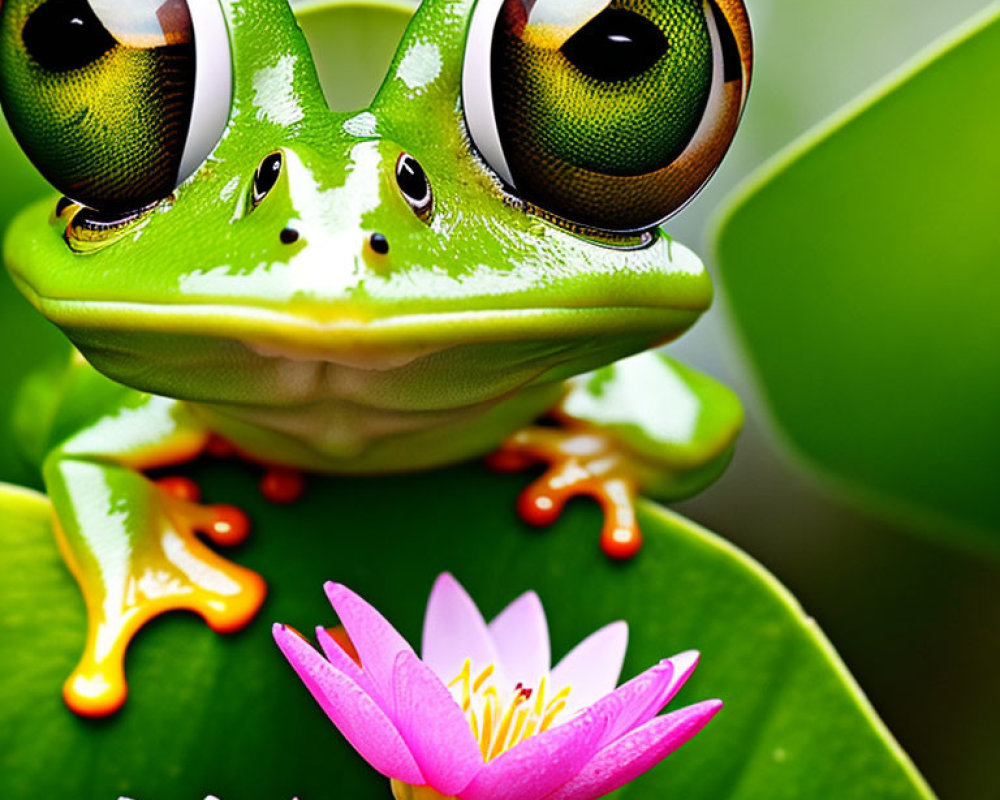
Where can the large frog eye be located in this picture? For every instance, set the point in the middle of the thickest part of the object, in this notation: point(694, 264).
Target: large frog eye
point(609, 113)
point(115, 101)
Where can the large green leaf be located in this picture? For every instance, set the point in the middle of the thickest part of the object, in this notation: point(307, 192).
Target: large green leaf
point(862, 268)
point(227, 715)
point(28, 339)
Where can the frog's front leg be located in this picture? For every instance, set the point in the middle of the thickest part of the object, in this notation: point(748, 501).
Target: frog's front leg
point(132, 544)
point(645, 425)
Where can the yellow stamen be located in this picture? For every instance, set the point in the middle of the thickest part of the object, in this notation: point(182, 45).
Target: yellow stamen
point(484, 676)
point(484, 739)
point(540, 699)
point(463, 678)
point(559, 697)
point(515, 735)
point(501, 717)
point(501, 737)
point(550, 716)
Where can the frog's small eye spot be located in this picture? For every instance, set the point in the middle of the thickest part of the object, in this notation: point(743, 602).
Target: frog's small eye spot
point(63, 35)
point(414, 184)
point(379, 244)
point(289, 236)
point(266, 177)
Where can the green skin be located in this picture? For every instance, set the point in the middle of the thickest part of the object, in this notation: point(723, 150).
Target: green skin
point(325, 355)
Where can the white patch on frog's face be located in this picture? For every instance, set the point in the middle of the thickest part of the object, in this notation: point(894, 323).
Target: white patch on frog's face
point(329, 219)
point(275, 97)
point(229, 190)
point(420, 67)
point(363, 125)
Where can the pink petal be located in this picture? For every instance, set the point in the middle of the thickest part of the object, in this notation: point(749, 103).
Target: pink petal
point(636, 753)
point(684, 664)
point(539, 765)
point(454, 631)
point(377, 642)
point(342, 662)
point(592, 668)
point(521, 636)
point(434, 727)
point(641, 700)
point(356, 715)
point(644, 696)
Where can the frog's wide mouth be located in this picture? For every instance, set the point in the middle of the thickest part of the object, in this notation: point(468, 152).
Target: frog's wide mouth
point(405, 335)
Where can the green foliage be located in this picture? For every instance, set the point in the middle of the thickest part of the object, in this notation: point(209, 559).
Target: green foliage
point(860, 267)
point(227, 715)
point(27, 336)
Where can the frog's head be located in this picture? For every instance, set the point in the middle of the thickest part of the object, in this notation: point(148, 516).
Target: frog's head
point(498, 202)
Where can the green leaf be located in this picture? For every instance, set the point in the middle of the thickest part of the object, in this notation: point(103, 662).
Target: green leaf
point(861, 270)
point(227, 715)
point(30, 340)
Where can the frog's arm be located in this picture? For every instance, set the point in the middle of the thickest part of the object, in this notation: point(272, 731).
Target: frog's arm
point(130, 543)
point(644, 425)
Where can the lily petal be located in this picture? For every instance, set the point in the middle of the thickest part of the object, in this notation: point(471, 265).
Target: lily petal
point(636, 753)
point(358, 717)
point(521, 635)
point(593, 667)
point(684, 664)
point(454, 631)
point(538, 765)
point(377, 642)
point(342, 662)
point(645, 695)
point(434, 727)
point(642, 699)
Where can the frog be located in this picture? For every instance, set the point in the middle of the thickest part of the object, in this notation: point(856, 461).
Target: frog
point(474, 266)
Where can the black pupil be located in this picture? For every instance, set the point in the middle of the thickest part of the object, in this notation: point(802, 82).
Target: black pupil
point(412, 179)
point(267, 176)
point(63, 35)
point(616, 45)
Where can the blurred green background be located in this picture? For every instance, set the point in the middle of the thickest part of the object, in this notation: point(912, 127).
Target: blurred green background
point(915, 619)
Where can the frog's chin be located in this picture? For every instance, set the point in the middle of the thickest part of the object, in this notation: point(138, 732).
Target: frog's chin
point(419, 363)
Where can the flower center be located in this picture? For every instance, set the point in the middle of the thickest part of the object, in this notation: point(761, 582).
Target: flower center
point(404, 791)
point(500, 720)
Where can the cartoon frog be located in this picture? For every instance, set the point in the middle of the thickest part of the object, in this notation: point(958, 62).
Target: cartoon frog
point(394, 289)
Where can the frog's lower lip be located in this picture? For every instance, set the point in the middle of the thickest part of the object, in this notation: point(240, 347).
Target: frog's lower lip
point(354, 338)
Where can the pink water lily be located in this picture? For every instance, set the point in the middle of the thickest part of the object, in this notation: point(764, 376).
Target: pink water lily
point(483, 716)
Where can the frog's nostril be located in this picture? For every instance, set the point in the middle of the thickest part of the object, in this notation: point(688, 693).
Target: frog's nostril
point(289, 236)
point(379, 243)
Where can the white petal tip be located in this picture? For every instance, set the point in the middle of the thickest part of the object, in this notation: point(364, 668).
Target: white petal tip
point(684, 664)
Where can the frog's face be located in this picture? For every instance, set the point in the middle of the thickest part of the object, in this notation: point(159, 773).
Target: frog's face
point(504, 186)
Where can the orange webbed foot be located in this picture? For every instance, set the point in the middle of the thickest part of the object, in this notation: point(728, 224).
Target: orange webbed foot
point(279, 485)
point(168, 568)
point(581, 461)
